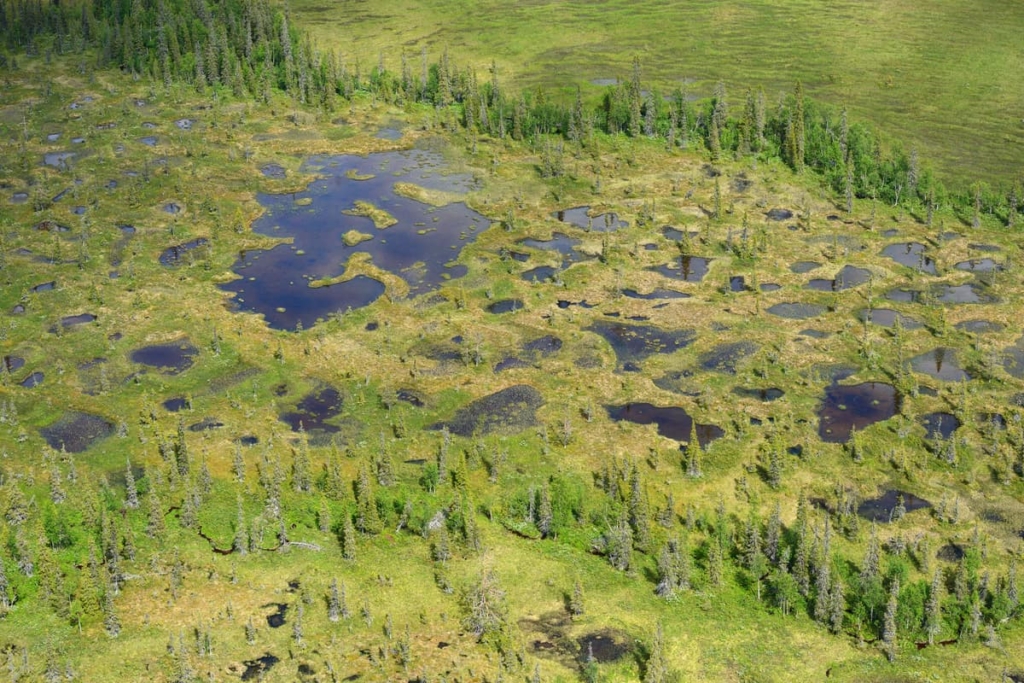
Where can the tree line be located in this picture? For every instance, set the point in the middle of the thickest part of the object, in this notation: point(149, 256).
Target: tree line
point(251, 49)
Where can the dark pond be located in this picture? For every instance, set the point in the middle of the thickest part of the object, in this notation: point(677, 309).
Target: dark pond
point(45, 287)
point(510, 363)
point(605, 222)
point(255, 668)
point(207, 423)
point(506, 306)
point(912, 255)
point(559, 242)
point(58, 159)
point(779, 215)
point(982, 265)
point(410, 397)
point(175, 404)
point(951, 552)
point(939, 363)
point(880, 508)
point(313, 410)
point(765, 395)
point(75, 431)
point(540, 274)
point(275, 171)
point(545, 346)
point(172, 255)
point(172, 208)
point(685, 268)
point(770, 287)
point(656, 294)
point(737, 283)
point(962, 294)
point(672, 422)
point(565, 303)
point(987, 248)
point(248, 440)
point(274, 282)
point(801, 267)
point(848, 277)
point(13, 363)
point(939, 425)
point(886, 317)
point(276, 620)
point(171, 358)
point(979, 326)
point(508, 411)
point(19, 197)
point(605, 647)
point(814, 334)
point(51, 226)
point(148, 141)
point(80, 319)
point(901, 295)
point(1013, 360)
point(849, 407)
point(33, 380)
point(636, 342)
point(796, 310)
point(184, 124)
point(725, 357)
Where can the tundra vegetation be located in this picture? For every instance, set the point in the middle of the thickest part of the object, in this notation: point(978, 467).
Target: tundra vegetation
point(318, 372)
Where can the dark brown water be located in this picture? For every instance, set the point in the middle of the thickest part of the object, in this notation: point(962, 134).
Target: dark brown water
point(849, 407)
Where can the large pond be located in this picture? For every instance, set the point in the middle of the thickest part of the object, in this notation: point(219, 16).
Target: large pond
point(418, 246)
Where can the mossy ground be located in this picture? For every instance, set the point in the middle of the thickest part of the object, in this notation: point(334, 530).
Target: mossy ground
point(213, 172)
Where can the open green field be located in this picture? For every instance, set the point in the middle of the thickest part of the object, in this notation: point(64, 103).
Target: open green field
point(940, 75)
point(599, 389)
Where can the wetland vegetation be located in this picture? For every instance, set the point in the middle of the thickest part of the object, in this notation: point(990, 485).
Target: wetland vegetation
point(318, 372)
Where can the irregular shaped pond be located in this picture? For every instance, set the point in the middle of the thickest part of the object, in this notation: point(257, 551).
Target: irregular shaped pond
point(796, 310)
point(540, 274)
point(886, 317)
point(779, 215)
point(764, 395)
point(912, 255)
point(979, 265)
point(880, 508)
point(979, 326)
point(848, 277)
point(636, 342)
point(33, 380)
point(559, 242)
point(655, 294)
point(674, 423)
point(255, 668)
point(939, 425)
point(939, 363)
point(725, 357)
point(508, 411)
point(604, 646)
point(80, 319)
point(273, 282)
point(849, 407)
point(171, 358)
point(172, 256)
point(962, 294)
point(13, 363)
point(275, 171)
point(579, 216)
point(801, 267)
point(506, 306)
point(544, 346)
point(685, 268)
point(76, 431)
point(175, 404)
point(313, 410)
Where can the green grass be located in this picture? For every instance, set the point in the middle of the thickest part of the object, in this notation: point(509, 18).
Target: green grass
point(940, 76)
point(714, 633)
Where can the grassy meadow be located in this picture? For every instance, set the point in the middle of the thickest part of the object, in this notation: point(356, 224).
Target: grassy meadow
point(938, 76)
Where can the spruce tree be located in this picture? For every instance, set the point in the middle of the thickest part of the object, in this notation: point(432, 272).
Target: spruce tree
point(657, 665)
point(889, 622)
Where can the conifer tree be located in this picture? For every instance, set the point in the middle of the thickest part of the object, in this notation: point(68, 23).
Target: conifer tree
point(889, 625)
